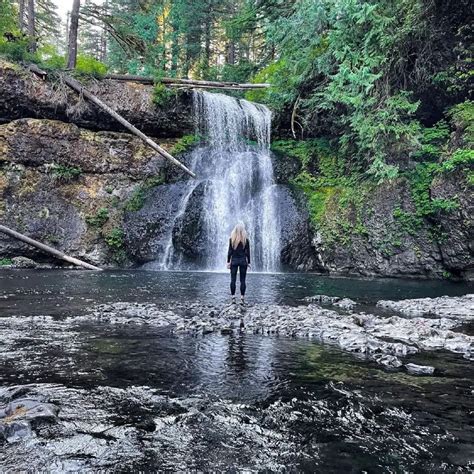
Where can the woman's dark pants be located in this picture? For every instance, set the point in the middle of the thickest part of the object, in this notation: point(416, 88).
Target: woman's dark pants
point(233, 277)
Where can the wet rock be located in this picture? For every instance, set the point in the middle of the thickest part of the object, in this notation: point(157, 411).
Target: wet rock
point(343, 303)
point(20, 415)
point(23, 262)
point(415, 369)
point(388, 361)
point(461, 308)
point(346, 303)
point(324, 299)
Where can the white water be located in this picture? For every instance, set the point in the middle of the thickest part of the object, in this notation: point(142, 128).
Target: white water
point(238, 183)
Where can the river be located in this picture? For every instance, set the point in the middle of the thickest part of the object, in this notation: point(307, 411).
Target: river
point(133, 397)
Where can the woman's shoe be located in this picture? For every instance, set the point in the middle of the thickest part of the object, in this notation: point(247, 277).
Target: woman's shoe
point(242, 302)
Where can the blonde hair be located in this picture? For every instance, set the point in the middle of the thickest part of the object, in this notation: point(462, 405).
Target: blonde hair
point(238, 235)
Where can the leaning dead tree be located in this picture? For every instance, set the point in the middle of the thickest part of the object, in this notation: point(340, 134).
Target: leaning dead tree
point(46, 248)
point(174, 82)
point(83, 92)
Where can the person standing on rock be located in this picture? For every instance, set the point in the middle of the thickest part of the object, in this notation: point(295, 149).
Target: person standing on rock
point(238, 259)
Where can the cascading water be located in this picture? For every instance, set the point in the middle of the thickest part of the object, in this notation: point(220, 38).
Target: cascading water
point(235, 183)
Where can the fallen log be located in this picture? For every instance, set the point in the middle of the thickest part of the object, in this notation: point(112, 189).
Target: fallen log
point(46, 248)
point(172, 81)
point(81, 90)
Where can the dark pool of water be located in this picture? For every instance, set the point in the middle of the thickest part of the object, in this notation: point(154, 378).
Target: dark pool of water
point(246, 402)
point(40, 291)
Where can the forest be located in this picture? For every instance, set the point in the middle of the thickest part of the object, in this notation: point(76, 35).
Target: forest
point(384, 83)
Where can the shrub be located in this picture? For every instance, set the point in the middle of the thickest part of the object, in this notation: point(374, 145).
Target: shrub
point(99, 218)
point(65, 173)
point(184, 144)
point(115, 238)
point(161, 94)
point(87, 65)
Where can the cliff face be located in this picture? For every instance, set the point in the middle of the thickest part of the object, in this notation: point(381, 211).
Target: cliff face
point(70, 187)
point(386, 246)
point(377, 230)
point(25, 95)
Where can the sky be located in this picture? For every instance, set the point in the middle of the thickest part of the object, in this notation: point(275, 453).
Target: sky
point(65, 5)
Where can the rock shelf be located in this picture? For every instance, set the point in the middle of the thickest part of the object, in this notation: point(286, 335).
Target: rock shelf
point(385, 340)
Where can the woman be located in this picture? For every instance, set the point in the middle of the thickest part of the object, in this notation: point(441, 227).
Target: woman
point(238, 258)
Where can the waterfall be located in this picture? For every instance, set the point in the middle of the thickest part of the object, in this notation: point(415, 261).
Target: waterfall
point(235, 183)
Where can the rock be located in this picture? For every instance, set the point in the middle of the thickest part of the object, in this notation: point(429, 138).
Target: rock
point(346, 303)
point(388, 361)
point(67, 187)
point(24, 95)
point(23, 262)
point(415, 369)
point(324, 299)
point(459, 308)
point(20, 416)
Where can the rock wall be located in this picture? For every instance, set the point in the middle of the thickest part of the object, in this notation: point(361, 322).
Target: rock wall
point(70, 187)
point(25, 95)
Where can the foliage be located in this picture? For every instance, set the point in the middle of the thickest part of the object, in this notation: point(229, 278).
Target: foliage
point(137, 200)
point(99, 218)
point(460, 158)
point(115, 238)
point(462, 116)
point(433, 141)
point(65, 173)
point(5, 262)
point(87, 65)
point(161, 94)
point(185, 143)
point(335, 199)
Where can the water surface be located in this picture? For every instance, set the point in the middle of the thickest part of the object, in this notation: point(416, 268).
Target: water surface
point(233, 401)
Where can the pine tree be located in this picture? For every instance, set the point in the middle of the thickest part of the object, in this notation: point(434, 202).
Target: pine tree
point(72, 40)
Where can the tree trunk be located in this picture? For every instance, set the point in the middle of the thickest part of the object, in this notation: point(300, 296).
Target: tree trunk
point(46, 248)
point(21, 16)
point(103, 36)
point(230, 56)
point(172, 81)
point(72, 40)
point(31, 26)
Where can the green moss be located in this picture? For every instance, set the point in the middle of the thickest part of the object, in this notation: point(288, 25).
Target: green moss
point(99, 218)
point(335, 200)
point(184, 144)
point(5, 261)
point(161, 94)
point(115, 239)
point(137, 199)
point(408, 221)
point(65, 173)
